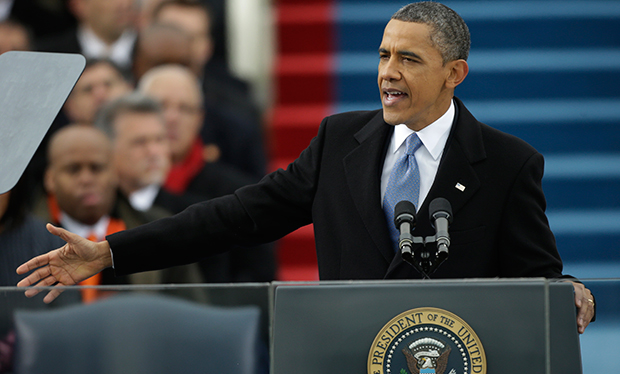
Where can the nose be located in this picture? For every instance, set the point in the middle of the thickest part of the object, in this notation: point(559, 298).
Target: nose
point(86, 176)
point(388, 69)
point(171, 114)
point(155, 148)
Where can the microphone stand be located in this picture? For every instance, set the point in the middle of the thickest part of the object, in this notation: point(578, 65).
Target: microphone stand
point(427, 259)
point(424, 260)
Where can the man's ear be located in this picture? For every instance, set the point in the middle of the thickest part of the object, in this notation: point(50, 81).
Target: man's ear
point(458, 70)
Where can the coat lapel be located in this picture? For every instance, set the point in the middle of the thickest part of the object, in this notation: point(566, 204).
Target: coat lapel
point(363, 168)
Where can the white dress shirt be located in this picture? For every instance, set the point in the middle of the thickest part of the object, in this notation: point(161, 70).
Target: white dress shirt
point(143, 199)
point(120, 52)
point(433, 137)
point(99, 229)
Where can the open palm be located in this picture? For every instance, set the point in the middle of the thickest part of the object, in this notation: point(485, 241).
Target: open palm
point(70, 264)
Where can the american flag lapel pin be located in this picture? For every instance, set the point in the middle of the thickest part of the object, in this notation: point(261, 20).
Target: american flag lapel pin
point(460, 187)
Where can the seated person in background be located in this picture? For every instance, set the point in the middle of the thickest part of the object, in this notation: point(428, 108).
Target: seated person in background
point(101, 81)
point(136, 126)
point(82, 197)
point(232, 120)
point(105, 30)
point(177, 89)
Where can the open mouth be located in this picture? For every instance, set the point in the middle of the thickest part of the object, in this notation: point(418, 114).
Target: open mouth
point(393, 96)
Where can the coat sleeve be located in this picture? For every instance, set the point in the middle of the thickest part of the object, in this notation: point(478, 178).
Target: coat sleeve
point(279, 204)
point(527, 245)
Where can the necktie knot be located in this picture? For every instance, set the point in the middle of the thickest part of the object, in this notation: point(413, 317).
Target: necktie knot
point(412, 143)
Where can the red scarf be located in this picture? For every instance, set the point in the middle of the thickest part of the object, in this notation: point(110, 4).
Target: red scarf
point(115, 225)
point(182, 173)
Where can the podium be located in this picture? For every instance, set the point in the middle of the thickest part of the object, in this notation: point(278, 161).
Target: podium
point(523, 326)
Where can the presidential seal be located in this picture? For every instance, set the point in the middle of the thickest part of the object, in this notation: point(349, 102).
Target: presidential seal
point(428, 341)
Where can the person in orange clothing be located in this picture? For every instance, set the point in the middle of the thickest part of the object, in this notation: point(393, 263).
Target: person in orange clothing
point(82, 196)
point(81, 187)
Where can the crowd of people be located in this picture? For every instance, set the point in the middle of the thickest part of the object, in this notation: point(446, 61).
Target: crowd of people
point(154, 124)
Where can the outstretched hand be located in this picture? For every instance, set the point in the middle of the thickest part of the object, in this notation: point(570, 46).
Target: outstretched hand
point(70, 264)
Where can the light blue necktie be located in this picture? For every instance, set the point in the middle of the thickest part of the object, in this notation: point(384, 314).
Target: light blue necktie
point(404, 184)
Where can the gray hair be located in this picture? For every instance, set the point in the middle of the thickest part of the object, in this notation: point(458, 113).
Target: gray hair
point(134, 102)
point(449, 33)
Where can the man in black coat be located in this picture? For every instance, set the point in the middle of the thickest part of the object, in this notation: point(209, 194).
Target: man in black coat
point(493, 181)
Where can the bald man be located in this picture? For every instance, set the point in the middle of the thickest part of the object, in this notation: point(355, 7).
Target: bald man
point(82, 185)
point(177, 89)
point(81, 179)
point(232, 120)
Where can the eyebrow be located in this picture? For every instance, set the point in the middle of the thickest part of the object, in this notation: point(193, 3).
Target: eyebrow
point(402, 53)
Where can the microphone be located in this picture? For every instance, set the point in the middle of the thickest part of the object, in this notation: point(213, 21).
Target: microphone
point(440, 212)
point(404, 219)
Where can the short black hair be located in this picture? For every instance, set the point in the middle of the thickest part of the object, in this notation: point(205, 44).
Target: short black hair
point(449, 33)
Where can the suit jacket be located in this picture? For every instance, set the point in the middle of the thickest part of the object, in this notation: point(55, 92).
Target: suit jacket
point(499, 227)
point(65, 42)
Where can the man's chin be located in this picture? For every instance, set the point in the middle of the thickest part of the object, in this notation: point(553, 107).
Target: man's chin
point(391, 119)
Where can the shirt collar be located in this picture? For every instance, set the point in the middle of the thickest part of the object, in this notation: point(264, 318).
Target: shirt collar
point(94, 47)
point(99, 229)
point(433, 136)
point(143, 199)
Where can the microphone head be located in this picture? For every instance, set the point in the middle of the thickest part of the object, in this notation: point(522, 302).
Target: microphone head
point(404, 211)
point(440, 207)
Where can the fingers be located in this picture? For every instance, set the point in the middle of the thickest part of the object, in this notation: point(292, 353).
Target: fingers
point(62, 233)
point(52, 295)
point(33, 263)
point(585, 305)
point(44, 282)
point(35, 277)
point(585, 314)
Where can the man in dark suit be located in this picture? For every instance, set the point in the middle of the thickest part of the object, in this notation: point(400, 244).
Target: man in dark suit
point(493, 181)
point(104, 30)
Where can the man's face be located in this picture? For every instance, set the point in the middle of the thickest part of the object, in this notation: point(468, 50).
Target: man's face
point(182, 106)
point(98, 84)
point(411, 76)
point(141, 150)
point(196, 24)
point(107, 18)
point(80, 174)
